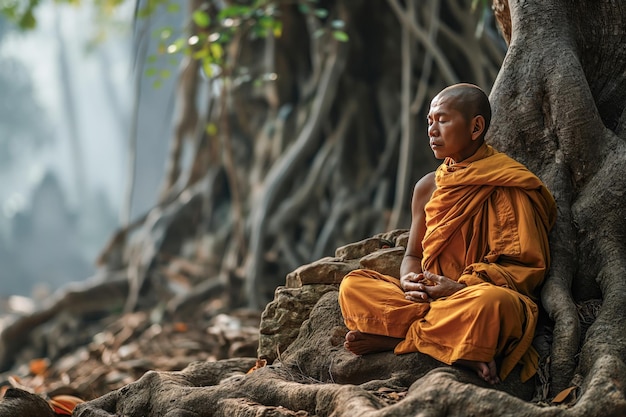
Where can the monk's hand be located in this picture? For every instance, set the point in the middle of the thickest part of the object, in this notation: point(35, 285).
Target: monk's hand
point(438, 286)
point(413, 286)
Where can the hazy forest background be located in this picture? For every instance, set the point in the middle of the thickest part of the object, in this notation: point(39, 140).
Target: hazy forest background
point(68, 86)
point(67, 97)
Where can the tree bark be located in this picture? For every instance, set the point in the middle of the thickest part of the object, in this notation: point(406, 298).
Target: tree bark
point(558, 102)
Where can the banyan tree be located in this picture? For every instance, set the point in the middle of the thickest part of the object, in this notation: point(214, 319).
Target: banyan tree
point(306, 124)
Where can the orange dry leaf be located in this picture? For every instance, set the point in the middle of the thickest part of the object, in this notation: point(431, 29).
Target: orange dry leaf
point(180, 327)
point(260, 363)
point(39, 366)
point(64, 404)
point(562, 396)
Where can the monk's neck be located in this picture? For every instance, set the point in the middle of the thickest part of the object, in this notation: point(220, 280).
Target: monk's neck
point(483, 151)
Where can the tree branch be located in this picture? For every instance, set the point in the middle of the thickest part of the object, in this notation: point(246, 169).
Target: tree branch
point(446, 70)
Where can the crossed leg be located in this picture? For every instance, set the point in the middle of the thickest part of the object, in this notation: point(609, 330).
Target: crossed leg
point(364, 343)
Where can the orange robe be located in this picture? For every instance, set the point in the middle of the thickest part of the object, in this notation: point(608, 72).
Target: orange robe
point(487, 226)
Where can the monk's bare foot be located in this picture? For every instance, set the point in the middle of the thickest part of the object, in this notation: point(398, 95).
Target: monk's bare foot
point(364, 343)
point(486, 371)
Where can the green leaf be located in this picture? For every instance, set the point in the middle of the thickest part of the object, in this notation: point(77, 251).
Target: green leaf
point(225, 37)
point(9, 10)
point(152, 59)
point(28, 21)
point(177, 46)
point(340, 36)
point(173, 8)
point(278, 29)
point(258, 33)
point(321, 13)
point(266, 22)
point(483, 4)
point(207, 67)
point(201, 18)
point(211, 129)
point(234, 11)
point(166, 33)
point(150, 72)
point(201, 53)
point(146, 11)
point(216, 50)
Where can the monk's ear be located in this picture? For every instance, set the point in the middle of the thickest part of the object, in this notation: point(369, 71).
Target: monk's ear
point(478, 127)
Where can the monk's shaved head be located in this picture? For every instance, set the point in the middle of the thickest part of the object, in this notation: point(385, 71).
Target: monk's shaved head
point(470, 100)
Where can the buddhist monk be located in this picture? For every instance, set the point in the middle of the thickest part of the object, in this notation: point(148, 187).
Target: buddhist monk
point(476, 255)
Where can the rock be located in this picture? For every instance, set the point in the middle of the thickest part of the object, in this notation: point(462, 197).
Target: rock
point(324, 271)
point(20, 403)
point(365, 247)
point(386, 261)
point(282, 318)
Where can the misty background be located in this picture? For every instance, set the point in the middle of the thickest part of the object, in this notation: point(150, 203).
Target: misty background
point(68, 96)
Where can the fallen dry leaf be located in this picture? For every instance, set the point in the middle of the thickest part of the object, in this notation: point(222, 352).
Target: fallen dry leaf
point(64, 404)
point(562, 396)
point(260, 363)
point(39, 366)
point(180, 327)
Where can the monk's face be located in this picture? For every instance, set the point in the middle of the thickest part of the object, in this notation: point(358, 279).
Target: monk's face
point(450, 133)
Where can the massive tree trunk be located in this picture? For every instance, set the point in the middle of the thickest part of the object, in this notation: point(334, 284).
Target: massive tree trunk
point(559, 106)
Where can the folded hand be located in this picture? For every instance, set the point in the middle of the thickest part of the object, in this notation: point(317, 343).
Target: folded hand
point(426, 286)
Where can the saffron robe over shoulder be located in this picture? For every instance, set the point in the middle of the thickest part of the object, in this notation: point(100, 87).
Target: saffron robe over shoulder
point(487, 227)
point(488, 221)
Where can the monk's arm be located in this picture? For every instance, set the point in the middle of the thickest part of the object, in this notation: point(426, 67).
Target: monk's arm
point(412, 261)
point(411, 267)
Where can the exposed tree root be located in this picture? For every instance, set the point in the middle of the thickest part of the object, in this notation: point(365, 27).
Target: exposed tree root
point(226, 388)
point(99, 296)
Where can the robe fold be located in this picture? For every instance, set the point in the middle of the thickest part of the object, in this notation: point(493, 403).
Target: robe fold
point(487, 226)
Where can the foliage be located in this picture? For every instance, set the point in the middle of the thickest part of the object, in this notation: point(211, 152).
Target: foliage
point(22, 13)
point(209, 32)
